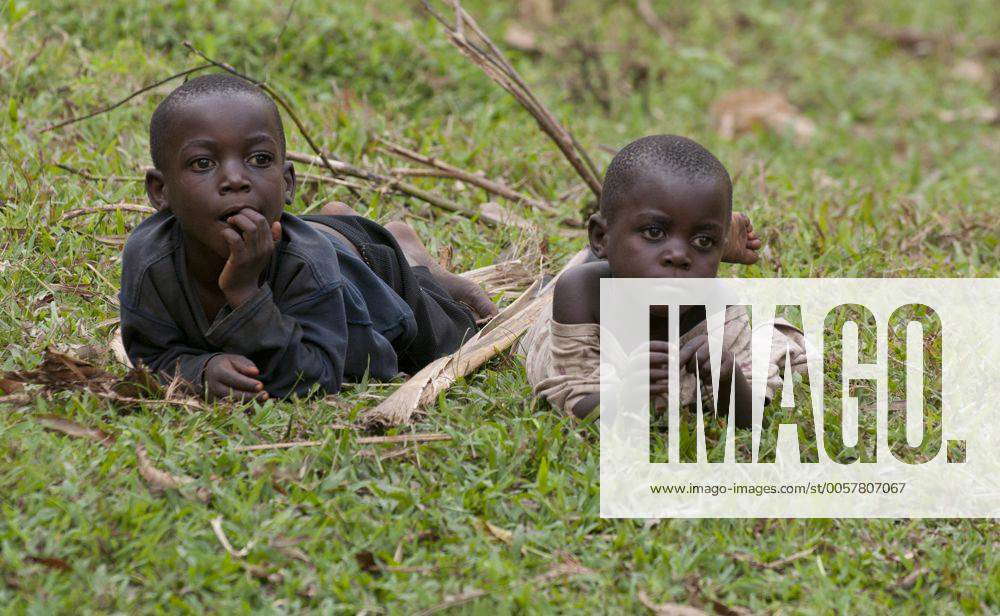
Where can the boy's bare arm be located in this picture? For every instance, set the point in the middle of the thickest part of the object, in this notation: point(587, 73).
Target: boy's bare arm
point(577, 294)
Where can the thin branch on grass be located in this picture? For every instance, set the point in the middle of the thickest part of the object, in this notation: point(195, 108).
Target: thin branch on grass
point(492, 186)
point(221, 535)
point(126, 99)
point(499, 335)
point(487, 56)
point(116, 207)
point(364, 440)
point(338, 168)
point(648, 14)
point(98, 178)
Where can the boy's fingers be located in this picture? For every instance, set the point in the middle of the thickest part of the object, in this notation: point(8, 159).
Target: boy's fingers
point(658, 359)
point(244, 365)
point(276, 231)
point(262, 231)
point(235, 380)
point(690, 348)
point(236, 245)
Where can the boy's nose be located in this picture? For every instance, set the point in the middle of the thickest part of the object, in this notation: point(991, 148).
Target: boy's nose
point(233, 179)
point(674, 255)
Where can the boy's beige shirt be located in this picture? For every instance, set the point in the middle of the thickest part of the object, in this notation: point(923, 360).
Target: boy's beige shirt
point(563, 361)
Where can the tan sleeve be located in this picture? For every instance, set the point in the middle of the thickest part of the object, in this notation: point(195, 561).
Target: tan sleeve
point(564, 363)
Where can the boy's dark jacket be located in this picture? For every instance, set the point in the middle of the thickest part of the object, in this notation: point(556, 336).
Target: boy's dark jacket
point(305, 325)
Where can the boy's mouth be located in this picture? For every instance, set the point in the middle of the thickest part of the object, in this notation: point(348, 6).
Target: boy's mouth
point(230, 212)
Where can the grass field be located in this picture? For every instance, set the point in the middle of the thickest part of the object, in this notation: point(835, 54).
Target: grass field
point(900, 179)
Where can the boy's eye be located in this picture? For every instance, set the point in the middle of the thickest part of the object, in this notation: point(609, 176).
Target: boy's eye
point(202, 164)
point(652, 233)
point(703, 241)
point(261, 159)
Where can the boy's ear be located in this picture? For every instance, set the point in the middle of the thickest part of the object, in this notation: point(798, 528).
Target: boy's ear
point(597, 233)
point(289, 175)
point(156, 189)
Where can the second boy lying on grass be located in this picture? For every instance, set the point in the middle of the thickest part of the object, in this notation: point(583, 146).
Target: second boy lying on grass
point(231, 293)
point(665, 212)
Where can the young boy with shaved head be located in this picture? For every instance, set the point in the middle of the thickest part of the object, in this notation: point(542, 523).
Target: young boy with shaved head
point(241, 299)
point(665, 212)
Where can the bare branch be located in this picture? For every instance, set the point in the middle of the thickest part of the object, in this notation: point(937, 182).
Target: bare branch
point(487, 56)
point(126, 99)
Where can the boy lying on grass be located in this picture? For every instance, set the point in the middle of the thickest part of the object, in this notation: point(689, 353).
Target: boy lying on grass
point(243, 300)
point(665, 212)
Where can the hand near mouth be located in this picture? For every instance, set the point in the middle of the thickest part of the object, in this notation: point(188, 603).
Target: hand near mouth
point(251, 244)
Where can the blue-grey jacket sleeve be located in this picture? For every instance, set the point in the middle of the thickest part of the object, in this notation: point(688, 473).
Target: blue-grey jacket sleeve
point(296, 346)
point(151, 339)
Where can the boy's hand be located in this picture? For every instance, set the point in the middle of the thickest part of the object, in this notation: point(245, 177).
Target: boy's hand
point(695, 354)
point(233, 376)
point(251, 244)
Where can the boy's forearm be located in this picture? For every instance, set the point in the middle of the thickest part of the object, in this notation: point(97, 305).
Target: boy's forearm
point(586, 405)
point(744, 402)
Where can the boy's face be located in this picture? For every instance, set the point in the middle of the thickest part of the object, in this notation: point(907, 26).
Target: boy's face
point(223, 155)
point(665, 228)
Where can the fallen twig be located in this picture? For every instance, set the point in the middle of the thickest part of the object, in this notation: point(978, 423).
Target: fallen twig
point(364, 440)
point(648, 14)
point(486, 55)
point(221, 534)
point(117, 207)
point(126, 99)
point(98, 178)
point(486, 184)
point(499, 335)
point(776, 565)
point(339, 168)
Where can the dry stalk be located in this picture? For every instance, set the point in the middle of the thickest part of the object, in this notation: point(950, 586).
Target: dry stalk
point(492, 186)
point(477, 46)
point(126, 99)
point(499, 335)
point(339, 168)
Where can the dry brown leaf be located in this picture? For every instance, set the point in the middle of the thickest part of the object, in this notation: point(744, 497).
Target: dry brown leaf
point(520, 38)
point(500, 533)
point(668, 609)
point(698, 597)
point(970, 70)
point(71, 428)
point(10, 386)
point(59, 370)
point(50, 562)
point(742, 111)
point(366, 561)
point(287, 546)
point(160, 481)
point(910, 580)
